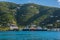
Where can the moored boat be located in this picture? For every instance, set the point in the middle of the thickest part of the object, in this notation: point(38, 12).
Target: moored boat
point(34, 30)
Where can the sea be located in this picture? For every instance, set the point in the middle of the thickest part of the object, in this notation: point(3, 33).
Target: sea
point(29, 35)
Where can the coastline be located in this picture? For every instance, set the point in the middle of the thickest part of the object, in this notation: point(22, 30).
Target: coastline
point(21, 29)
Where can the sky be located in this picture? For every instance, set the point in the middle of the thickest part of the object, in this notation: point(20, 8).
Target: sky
point(53, 3)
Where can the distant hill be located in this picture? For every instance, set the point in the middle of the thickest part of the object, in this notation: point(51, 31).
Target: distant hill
point(27, 14)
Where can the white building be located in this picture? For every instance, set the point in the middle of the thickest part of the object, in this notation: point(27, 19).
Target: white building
point(33, 26)
point(56, 16)
point(58, 20)
point(50, 25)
point(27, 27)
point(13, 27)
point(32, 6)
point(45, 28)
point(51, 16)
point(39, 27)
point(18, 7)
point(55, 29)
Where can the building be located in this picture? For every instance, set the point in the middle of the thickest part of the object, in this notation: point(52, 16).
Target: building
point(51, 16)
point(55, 29)
point(13, 27)
point(50, 25)
point(39, 27)
point(58, 20)
point(32, 26)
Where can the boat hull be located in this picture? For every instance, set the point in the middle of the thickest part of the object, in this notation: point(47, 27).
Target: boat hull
point(34, 30)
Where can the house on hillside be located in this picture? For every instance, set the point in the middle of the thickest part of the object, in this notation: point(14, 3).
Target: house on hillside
point(32, 26)
point(38, 27)
point(13, 27)
point(55, 29)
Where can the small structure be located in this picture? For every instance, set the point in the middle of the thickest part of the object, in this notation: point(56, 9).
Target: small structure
point(55, 29)
point(56, 16)
point(31, 6)
point(48, 29)
point(13, 27)
point(27, 27)
point(51, 16)
point(50, 25)
point(45, 28)
point(39, 27)
point(58, 20)
point(33, 26)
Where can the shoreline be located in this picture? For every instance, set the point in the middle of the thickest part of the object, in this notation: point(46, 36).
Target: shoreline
point(33, 30)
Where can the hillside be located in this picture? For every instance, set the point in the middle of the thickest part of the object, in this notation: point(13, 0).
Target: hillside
point(27, 14)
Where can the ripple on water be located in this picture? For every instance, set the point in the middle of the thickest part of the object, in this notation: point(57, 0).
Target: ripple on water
point(29, 35)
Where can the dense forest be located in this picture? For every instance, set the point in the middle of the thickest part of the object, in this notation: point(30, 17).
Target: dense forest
point(27, 14)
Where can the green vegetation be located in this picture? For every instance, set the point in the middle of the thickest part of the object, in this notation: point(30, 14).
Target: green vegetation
point(27, 14)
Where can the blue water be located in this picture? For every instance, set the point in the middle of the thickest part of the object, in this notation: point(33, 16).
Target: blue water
point(29, 35)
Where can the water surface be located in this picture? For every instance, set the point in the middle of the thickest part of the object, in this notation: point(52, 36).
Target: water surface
point(29, 35)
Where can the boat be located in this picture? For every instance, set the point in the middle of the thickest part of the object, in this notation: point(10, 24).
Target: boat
point(34, 30)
